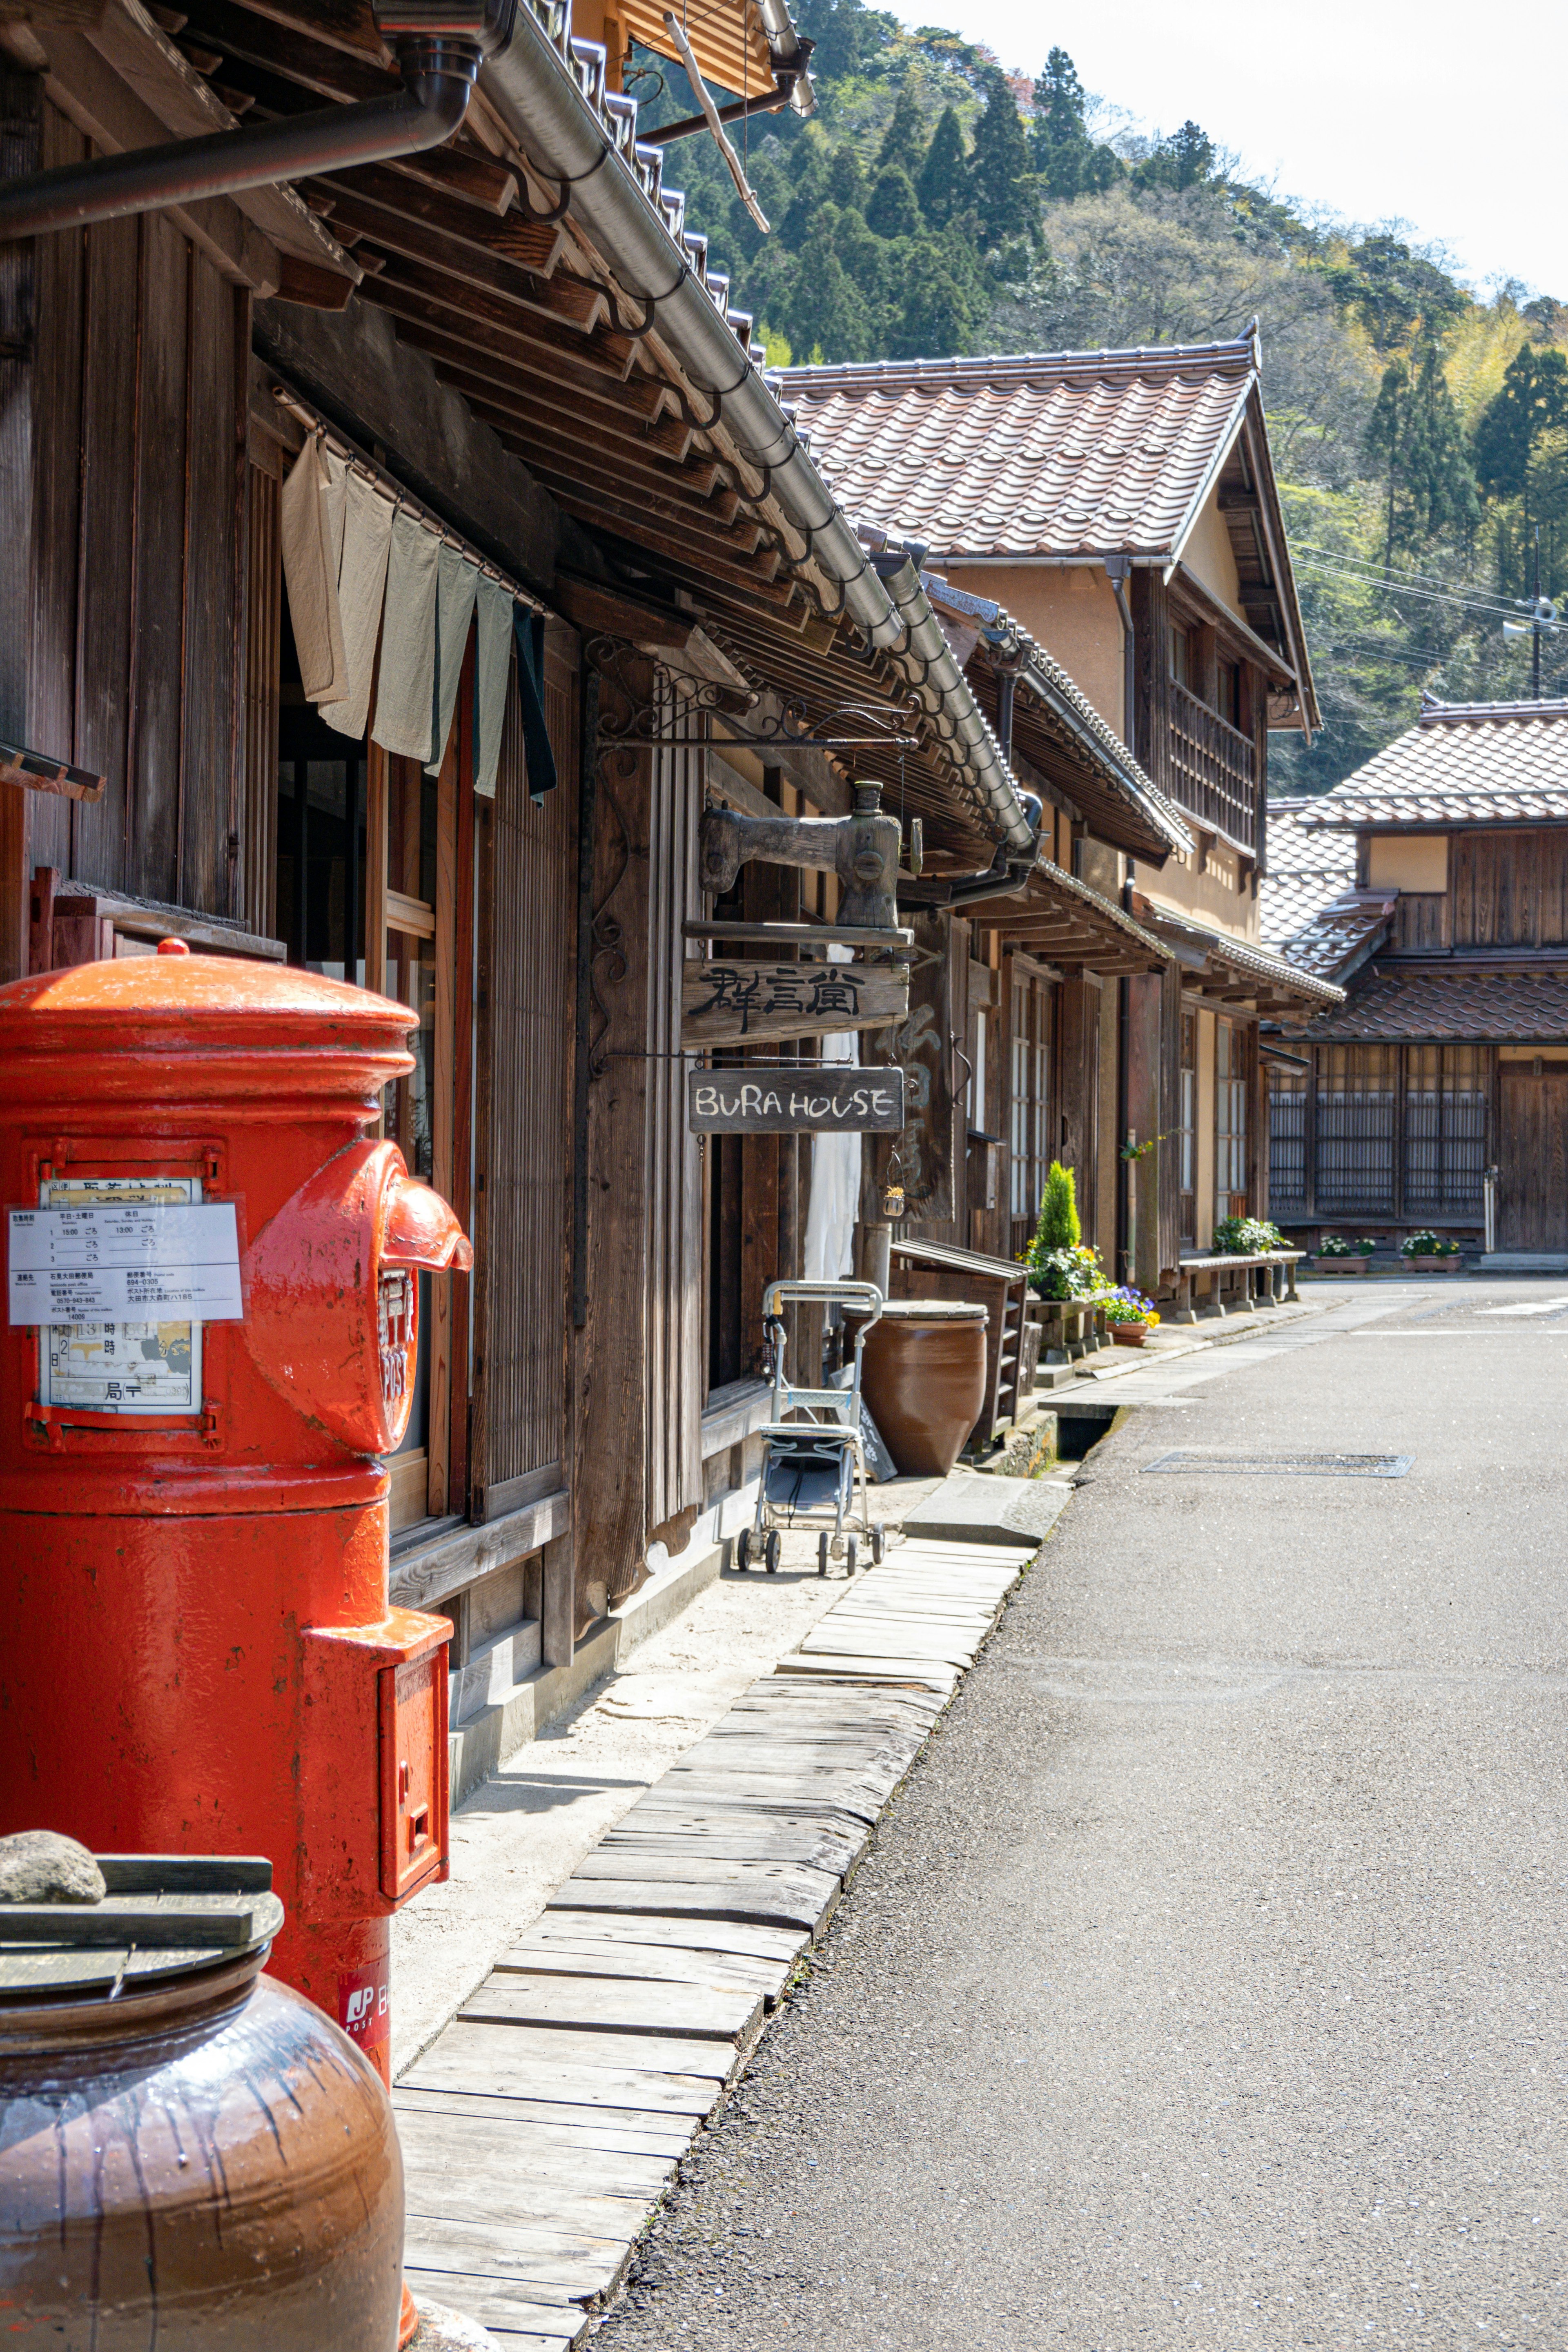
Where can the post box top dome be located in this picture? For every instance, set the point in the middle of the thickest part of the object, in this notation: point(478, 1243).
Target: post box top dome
point(211, 991)
point(235, 1027)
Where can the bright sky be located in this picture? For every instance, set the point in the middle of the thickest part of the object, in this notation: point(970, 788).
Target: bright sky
point(1378, 109)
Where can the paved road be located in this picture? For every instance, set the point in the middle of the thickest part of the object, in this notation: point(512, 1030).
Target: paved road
point(1206, 1984)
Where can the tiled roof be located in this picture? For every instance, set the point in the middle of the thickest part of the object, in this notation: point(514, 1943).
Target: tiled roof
point(1336, 938)
point(1390, 1003)
point(1308, 870)
point(1219, 956)
point(1053, 454)
point(1461, 763)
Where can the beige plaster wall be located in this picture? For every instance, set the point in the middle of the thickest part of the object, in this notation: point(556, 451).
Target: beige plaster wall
point(1411, 861)
point(1071, 609)
point(1216, 895)
point(1208, 554)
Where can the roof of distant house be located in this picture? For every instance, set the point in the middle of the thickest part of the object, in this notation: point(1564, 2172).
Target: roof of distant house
point(1307, 870)
point(1461, 763)
point(1393, 1003)
point(1058, 457)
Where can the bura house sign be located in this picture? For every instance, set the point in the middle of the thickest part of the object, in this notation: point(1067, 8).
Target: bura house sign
point(796, 1102)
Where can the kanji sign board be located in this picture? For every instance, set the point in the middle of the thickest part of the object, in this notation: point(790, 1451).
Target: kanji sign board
point(826, 1101)
point(746, 1003)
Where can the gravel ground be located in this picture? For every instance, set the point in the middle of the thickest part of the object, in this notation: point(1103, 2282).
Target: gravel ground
point(1206, 1982)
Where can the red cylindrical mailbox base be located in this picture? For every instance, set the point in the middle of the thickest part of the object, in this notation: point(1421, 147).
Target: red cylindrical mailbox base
point(246, 1673)
point(210, 1350)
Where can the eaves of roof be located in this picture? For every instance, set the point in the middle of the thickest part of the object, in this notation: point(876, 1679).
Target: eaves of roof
point(1200, 950)
point(548, 93)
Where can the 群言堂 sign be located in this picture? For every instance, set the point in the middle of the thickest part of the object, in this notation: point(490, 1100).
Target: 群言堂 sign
point(746, 1003)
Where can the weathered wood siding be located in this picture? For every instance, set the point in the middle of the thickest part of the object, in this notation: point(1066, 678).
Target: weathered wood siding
point(674, 1272)
point(138, 560)
point(520, 1448)
point(1509, 890)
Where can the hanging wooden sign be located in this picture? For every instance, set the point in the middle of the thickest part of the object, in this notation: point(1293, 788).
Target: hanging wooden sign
point(828, 1101)
point(735, 1003)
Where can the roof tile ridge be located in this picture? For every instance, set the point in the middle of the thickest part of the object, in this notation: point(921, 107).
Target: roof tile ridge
point(1129, 359)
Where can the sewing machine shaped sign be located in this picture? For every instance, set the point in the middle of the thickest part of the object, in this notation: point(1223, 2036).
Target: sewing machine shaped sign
point(748, 1003)
point(826, 1100)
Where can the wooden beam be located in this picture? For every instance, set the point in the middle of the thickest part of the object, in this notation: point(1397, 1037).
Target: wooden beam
point(471, 261)
point(481, 373)
point(604, 352)
point(596, 607)
point(529, 244)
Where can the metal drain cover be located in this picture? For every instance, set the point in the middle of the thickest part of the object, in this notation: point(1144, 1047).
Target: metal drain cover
point(1287, 1465)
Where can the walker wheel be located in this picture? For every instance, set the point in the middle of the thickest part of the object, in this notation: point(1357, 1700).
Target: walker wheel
point(821, 1554)
point(743, 1549)
point(878, 1543)
point(851, 1551)
point(770, 1552)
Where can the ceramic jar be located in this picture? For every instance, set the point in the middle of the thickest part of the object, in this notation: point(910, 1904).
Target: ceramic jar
point(923, 1380)
point(206, 2165)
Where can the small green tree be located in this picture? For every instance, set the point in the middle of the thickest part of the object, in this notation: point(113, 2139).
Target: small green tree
point(943, 186)
point(1058, 1227)
point(999, 181)
point(846, 180)
point(904, 147)
point(893, 211)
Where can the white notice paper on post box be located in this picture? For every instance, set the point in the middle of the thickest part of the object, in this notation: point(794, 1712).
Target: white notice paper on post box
point(125, 1261)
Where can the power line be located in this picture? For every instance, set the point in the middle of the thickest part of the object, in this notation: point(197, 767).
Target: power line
point(1491, 612)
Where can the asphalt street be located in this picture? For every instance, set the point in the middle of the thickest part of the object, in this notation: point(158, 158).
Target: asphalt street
point(1205, 1984)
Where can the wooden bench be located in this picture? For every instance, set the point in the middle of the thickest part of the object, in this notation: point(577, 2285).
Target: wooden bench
point(1276, 1268)
point(1070, 1329)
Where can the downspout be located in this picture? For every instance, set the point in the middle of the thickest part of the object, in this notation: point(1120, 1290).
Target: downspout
point(1118, 571)
point(535, 97)
point(439, 69)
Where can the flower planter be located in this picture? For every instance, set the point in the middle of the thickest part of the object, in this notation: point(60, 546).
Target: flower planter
point(1343, 1265)
point(1435, 1264)
point(1129, 1335)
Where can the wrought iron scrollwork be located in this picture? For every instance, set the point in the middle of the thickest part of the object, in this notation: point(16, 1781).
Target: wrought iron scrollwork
point(793, 722)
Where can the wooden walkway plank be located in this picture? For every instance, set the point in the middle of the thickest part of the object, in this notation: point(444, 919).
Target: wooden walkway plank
point(543, 2123)
point(719, 1936)
point(620, 2130)
point(507, 2060)
point(614, 2005)
point(799, 1899)
point(507, 2310)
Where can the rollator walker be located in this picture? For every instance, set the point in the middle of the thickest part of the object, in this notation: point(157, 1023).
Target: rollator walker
point(811, 1466)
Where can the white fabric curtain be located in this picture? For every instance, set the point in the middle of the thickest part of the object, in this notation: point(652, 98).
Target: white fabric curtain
point(827, 1254)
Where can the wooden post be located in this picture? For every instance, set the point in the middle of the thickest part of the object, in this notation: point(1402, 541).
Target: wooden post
point(558, 1612)
point(443, 1059)
point(609, 1484)
point(21, 151)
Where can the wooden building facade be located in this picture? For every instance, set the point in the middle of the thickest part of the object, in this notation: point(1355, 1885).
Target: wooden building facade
point(1128, 618)
point(501, 373)
point(1431, 885)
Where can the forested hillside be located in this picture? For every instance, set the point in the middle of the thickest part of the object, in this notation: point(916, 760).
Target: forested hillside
point(935, 204)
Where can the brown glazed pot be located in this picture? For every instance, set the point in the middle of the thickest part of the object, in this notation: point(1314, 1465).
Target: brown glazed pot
point(923, 1376)
point(209, 2166)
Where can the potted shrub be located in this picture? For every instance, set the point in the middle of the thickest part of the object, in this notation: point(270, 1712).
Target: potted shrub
point(1346, 1258)
point(1246, 1237)
point(1130, 1316)
point(1431, 1256)
point(1059, 1265)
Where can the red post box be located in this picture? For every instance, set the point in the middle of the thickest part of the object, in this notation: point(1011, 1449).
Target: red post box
point(213, 1307)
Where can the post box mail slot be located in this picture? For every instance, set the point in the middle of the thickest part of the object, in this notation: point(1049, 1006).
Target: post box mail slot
point(412, 1699)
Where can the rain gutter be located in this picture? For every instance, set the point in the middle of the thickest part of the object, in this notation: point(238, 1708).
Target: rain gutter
point(540, 103)
point(438, 53)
